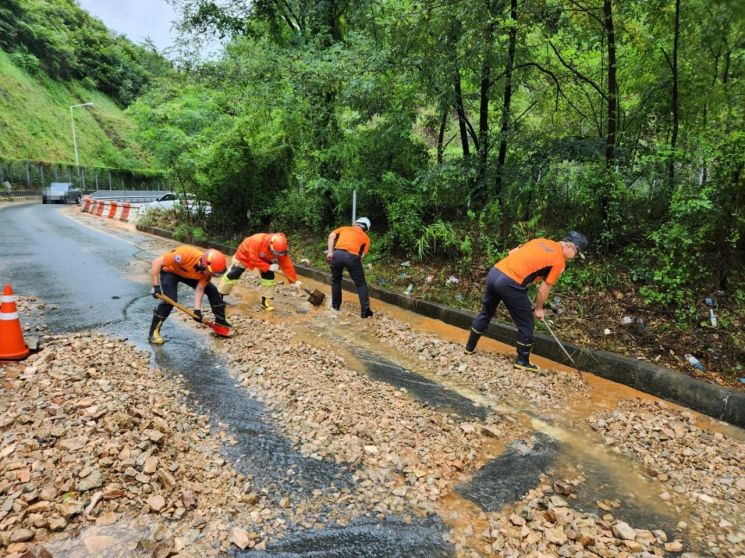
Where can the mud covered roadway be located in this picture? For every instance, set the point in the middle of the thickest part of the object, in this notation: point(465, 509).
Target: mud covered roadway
point(316, 433)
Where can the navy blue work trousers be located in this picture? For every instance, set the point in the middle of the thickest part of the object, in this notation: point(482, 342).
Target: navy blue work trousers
point(501, 288)
point(353, 263)
point(169, 285)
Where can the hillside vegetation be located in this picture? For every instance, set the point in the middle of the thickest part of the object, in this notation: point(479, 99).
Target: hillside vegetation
point(35, 122)
point(54, 55)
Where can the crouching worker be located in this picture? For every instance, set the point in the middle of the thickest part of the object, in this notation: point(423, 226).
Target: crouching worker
point(346, 248)
point(192, 267)
point(266, 252)
point(540, 259)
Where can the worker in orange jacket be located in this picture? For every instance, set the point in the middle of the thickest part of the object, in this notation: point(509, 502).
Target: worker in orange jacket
point(539, 260)
point(266, 252)
point(346, 248)
point(193, 267)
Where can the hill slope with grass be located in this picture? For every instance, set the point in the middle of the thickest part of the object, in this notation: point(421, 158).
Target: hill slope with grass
point(35, 121)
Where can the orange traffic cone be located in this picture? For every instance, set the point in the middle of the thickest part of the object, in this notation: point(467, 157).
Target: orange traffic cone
point(12, 345)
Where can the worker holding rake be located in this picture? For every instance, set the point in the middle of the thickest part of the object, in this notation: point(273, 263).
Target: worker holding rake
point(192, 267)
point(266, 252)
point(541, 260)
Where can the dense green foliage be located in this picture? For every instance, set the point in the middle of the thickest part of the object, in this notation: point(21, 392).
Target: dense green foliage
point(466, 126)
point(35, 123)
point(54, 55)
point(60, 39)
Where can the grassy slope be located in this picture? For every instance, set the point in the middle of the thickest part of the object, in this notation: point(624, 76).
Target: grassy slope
point(35, 122)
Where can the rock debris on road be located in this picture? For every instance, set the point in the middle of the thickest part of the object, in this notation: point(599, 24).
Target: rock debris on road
point(100, 453)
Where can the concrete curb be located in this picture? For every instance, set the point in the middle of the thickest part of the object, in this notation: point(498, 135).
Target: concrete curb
point(715, 401)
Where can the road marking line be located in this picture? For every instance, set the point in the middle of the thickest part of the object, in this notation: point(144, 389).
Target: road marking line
point(100, 231)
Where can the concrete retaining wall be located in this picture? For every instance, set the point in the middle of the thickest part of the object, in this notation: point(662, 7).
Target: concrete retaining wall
point(715, 401)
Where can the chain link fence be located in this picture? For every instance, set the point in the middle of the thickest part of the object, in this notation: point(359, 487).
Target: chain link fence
point(35, 175)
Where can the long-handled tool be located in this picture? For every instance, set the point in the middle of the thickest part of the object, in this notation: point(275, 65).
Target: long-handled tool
point(221, 330)
point(545, 322)
point(316, 297)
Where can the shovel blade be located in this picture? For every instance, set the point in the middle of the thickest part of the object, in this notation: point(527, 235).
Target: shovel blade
point(316, 298)
point(221, 330)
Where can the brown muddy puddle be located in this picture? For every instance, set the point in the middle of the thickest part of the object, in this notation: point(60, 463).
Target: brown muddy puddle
point(545, 446)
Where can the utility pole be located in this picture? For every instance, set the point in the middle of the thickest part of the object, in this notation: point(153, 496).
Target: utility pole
point(72, 124)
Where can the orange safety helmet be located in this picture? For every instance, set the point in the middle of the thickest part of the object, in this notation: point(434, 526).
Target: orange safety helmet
point(214, 262)
point(278, 244)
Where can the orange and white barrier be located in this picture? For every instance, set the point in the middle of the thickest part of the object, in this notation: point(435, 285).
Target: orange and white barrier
point(12, 345)
point(111, 209)
point(126, 207)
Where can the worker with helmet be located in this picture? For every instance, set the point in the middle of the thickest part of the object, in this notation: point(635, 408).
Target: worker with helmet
point(266, 252)
point(347, 246)
point(193, 267)
point(541, 260)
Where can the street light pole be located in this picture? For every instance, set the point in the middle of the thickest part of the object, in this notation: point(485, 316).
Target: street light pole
point(72, 123)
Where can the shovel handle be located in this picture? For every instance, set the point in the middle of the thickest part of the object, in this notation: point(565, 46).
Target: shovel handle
point(169, 300)
point(221, 330)
point(288, 282)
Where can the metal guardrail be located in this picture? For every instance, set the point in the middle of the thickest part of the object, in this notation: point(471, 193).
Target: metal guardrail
point(16, 199)
point(132, 196)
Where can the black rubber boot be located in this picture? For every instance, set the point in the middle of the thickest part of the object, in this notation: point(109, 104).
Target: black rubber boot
point(523, 357)
point(154, 335)
point(366, 313)
point(219, 312)
point(473, 339)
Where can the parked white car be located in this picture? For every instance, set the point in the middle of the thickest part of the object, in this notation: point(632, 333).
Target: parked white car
point(172, 201)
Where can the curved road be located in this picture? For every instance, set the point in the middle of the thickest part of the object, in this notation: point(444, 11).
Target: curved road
point(90, 277)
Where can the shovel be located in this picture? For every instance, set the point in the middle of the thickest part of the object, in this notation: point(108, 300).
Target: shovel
point(316, 297)
point(221, 330)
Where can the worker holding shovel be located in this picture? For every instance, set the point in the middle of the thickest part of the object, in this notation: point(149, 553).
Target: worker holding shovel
point(346, 248)
point(540, 259)
point(266, 252)
point(192, 267)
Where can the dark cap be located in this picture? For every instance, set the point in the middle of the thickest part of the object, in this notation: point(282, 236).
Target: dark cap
point(579, 240)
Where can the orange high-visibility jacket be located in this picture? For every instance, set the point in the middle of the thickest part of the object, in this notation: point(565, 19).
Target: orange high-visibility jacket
point(352, 239)
point(183, 261)
point(254, 253)
point(538, 259)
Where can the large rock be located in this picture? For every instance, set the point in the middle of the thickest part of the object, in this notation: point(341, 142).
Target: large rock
point(623, 531)
point(156, 502)
point(93, 480)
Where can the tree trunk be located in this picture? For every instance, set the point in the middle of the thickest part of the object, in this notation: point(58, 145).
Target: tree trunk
point(505, 124)
point(486, 68)
point(610, 142)
point(676, 101)
point(441, 133)
point(461, 115)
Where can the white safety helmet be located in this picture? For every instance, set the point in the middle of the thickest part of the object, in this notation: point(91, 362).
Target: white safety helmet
point(364, 222)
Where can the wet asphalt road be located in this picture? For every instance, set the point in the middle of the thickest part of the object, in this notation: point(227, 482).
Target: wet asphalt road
point(100, 280)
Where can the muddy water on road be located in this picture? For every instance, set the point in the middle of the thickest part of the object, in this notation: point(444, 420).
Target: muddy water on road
point(558, 443)
point(559, 446)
